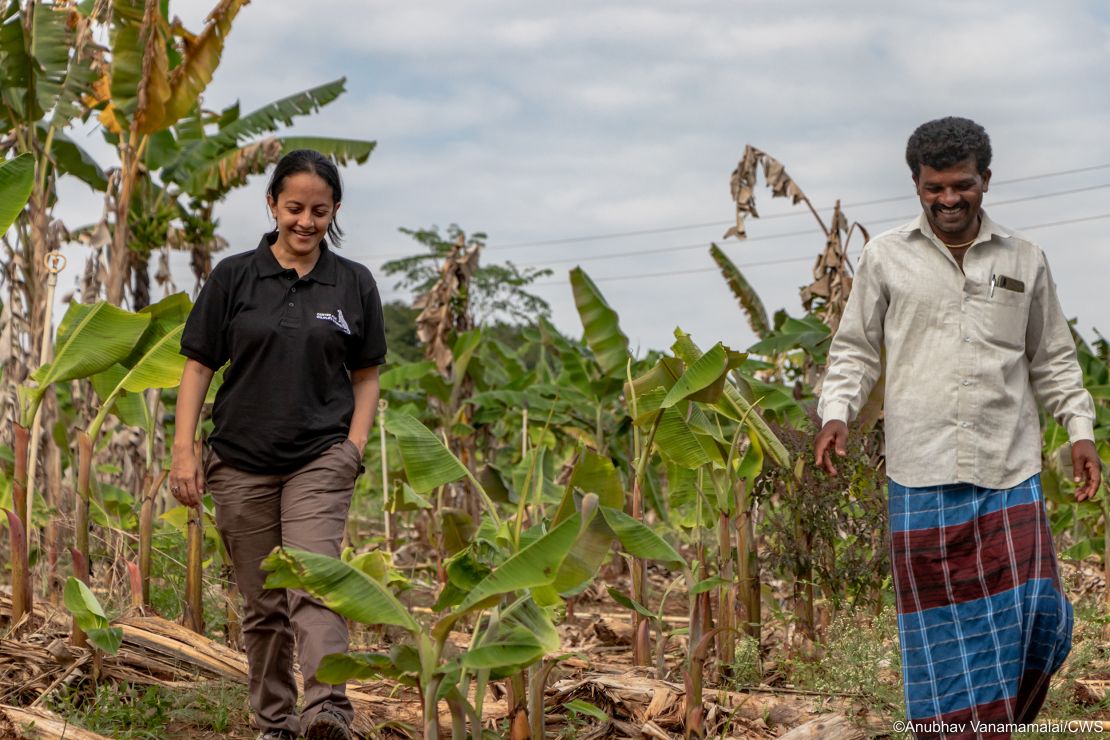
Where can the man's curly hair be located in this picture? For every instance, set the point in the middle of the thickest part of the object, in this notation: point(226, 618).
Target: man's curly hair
point(948, 141)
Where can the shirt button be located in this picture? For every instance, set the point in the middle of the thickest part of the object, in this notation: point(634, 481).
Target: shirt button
point(966, 382)
point(967, 298)
point(966, 339)
point(965, 424)
point(290, 305)
point(292, 290)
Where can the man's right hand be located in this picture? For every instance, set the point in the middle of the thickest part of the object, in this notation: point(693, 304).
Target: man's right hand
point(834, 435)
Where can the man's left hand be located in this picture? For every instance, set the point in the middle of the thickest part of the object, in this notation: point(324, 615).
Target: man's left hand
point(1087, 467)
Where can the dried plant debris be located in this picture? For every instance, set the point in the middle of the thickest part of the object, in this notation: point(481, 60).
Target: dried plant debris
point(445, 308)
point(743, 186)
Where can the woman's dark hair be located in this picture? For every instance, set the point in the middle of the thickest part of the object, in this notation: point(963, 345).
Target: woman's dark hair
point(948, 141)
point(309, 160)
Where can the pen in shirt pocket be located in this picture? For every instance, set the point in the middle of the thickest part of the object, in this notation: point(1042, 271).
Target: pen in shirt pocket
point(994, 279)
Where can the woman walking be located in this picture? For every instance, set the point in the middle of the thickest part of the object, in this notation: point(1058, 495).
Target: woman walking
point(302, 329)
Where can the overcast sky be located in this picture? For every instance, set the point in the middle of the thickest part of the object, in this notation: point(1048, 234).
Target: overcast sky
point(536, 122)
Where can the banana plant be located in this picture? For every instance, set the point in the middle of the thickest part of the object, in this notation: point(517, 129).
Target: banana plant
point(16, 180)
point(135, 409)
point(516, 576)
point(699, 420)
point(512, 638)
point(89, 615)
point(155, 361)
point(91, 338)
point(153, 80)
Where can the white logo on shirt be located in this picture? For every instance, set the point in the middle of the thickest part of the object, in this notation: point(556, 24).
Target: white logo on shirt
point(337, 319)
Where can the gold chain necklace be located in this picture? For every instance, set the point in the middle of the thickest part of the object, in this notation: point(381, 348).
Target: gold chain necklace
point(968, 243)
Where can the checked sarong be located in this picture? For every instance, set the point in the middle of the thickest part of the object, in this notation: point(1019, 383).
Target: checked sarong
point(982, 619)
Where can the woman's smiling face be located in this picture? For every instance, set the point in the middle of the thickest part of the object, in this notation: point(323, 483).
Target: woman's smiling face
point(304, 209)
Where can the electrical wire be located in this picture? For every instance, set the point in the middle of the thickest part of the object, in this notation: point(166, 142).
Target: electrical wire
point(789, 260)
point(807, 232)
point(784, 235)
point(792, 214)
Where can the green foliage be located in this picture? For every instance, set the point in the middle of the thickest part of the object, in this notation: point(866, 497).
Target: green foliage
point(749, 300)
point(145, 712)
point(400, 333)
point(601, 324)
point(860, 657)
point(344, 589)
point(497, 292)
point(17, 177)
point(90, 617)
point(154, 362)
point(828, 531)
point(428, 463)
point(91, 338)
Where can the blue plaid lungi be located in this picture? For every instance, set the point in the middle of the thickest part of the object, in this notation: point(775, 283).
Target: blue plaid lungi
point(982, 619)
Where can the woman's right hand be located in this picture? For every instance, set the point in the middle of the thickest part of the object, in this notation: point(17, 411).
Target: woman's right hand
point(186, 476)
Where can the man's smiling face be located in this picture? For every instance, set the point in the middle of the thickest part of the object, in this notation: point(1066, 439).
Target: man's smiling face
point(952, 198)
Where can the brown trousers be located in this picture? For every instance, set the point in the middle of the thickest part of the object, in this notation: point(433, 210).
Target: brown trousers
point(305, 509)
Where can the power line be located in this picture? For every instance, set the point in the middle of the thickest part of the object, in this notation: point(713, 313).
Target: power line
point(784, 235)
point(788, 260)
point(791, 214)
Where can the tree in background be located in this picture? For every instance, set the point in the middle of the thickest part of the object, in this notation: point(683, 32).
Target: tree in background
point(497, 291)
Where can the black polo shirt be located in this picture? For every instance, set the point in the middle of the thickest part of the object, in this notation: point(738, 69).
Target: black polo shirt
point(291, 341)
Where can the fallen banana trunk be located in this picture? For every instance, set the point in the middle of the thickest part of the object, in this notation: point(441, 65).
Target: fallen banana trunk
point(39, 724)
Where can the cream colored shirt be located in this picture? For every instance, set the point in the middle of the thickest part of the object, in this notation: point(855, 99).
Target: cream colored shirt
point(966, 364)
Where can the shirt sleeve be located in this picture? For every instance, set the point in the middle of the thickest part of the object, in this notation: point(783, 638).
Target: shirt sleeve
point(1054, 370)
point(369, 350)
point(204, 338)
point(855, 357)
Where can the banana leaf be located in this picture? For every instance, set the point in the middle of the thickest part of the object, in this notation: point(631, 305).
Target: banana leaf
point(190, 78)
point(66, 69)
point(638, 539)
point(91, 338)
point(267, 119)
point(678, 443)
point(734, 406)
point(601, 324)
point(343, 151)
point(428, 464)
point(704, 379)
point(398, 376)
point(155, 362)
point(749, 300)
point(130, 408)
point(345, 590)
point(17, 69)
point(17, 177)
point(523, 635)
point(808, 333)
point(71, 159)
point(339, 668)
point(135, 38)
point(535, 565)
point(594, 473)
point(160, 366)
point(90, 616)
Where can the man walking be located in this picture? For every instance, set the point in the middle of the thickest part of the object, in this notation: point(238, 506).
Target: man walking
point(966, 313)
